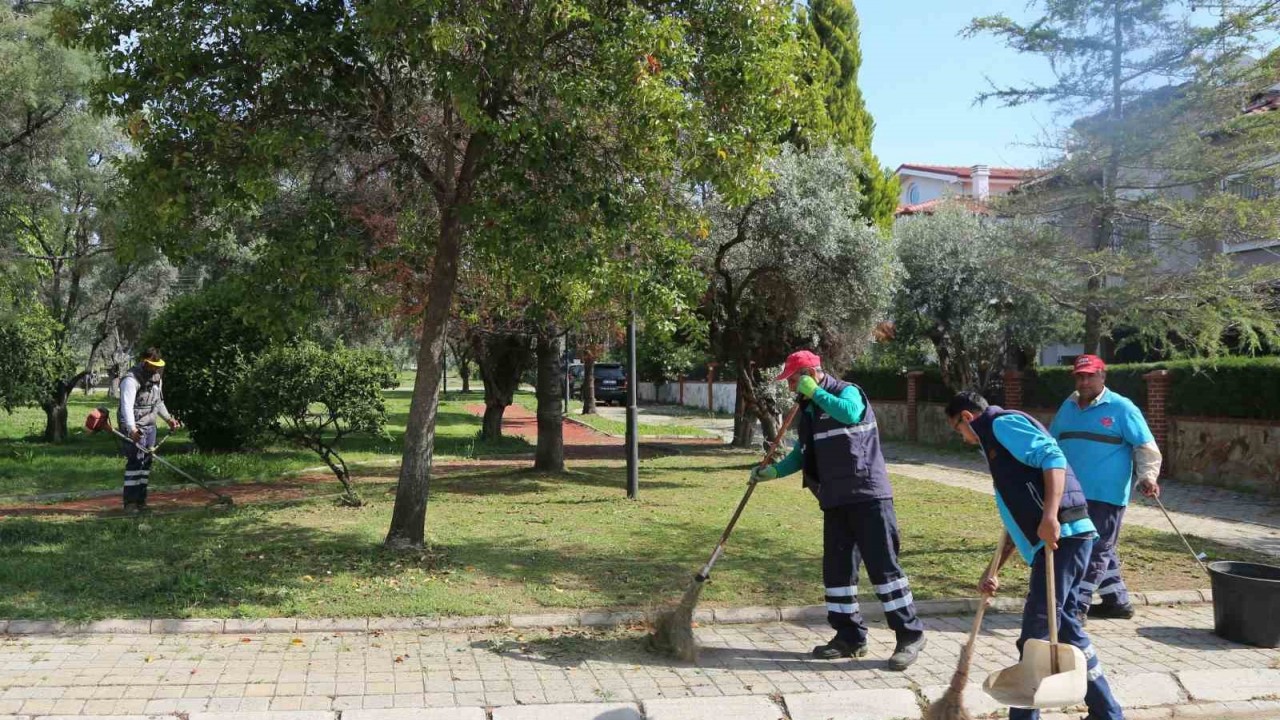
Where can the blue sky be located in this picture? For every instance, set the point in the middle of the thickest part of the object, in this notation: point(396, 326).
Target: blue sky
point(919, 79)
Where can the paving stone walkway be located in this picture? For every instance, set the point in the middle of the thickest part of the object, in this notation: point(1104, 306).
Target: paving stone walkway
point(1169, 656)
point(1239, 519)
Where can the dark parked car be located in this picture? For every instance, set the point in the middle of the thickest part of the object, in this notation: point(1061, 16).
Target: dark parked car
point(611, 383)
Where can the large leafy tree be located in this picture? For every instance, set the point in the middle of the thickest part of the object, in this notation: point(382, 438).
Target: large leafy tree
point(224, 96)
point(798, 267)
point(59, 228)
point(1143, 196)
point(956, 293)
point(832, 31)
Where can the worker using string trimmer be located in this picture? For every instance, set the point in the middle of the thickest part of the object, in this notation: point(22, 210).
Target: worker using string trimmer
point(141, 402)
point(842, 465)
point(1044, 512)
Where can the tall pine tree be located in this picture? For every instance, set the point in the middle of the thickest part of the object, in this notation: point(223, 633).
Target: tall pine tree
point(832, 30)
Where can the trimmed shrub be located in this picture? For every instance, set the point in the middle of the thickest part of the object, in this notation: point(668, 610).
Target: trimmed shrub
point(314, 397)
point(208, 347)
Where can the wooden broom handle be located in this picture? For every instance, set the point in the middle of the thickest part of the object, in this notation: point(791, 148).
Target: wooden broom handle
point(959, 680)
point(1050, 586)
point(705, 572)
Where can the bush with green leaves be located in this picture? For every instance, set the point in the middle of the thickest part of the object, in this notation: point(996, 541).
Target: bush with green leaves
point(33, 362)
point(208, 346)
point(314, 397)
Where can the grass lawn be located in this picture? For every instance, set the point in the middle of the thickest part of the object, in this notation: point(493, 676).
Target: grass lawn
point(86, 462)
point(506, 540)
point(529, 402)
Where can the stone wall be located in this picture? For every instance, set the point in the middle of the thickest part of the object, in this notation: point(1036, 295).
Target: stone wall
point(934, 428)
point(1226, 452)
point(891, 418)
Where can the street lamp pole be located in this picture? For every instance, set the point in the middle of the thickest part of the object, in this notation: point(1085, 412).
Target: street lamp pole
point(633, 413)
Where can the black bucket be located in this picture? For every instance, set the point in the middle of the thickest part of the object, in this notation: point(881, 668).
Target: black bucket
point(1246, 602)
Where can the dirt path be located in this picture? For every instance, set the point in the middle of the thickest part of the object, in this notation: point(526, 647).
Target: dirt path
point(581, 443)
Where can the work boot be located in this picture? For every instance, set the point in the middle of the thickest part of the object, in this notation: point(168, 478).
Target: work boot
point(1112, 611)
point(838, 648)
point(907, 651)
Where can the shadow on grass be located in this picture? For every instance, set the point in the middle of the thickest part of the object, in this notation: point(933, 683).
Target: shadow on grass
point(525, 480)
point(172, 566)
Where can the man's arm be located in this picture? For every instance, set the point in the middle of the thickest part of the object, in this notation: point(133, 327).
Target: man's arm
point(1146, 454)
point(846, 408)
point(790, 464)
point(128, 391)
point(161, 410)
point(1147, 459)
point(990, 582)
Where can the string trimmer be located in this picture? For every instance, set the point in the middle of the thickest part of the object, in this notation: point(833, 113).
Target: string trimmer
point(673, 629)
point(100, 419)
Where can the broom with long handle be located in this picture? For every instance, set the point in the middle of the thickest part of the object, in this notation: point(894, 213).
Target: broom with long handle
point(673, 629)
point(951, 705)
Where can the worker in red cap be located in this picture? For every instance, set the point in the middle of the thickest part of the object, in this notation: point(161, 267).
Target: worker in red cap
point(1107, 442)
point(839, 455)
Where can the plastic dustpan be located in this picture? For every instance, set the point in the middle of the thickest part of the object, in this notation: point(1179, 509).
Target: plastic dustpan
point(1050, 674)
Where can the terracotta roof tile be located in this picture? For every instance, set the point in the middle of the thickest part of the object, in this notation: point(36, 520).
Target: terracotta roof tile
point(965, 173)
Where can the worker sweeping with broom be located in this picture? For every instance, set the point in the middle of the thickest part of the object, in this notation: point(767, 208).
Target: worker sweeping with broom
point(1045, 515)
point(842, 464)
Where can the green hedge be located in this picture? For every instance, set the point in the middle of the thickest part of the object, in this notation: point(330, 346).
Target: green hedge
point(891, 384)
point(1231, 387)
point(880, 383)
point(1237, 387)
point(1048, 387)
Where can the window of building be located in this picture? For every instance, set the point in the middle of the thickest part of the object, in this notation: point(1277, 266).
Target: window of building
point(913, 194)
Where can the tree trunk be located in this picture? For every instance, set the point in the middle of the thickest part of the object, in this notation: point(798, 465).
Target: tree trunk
point(55, 420)
point(491, 428)
point(588, 385)
point(549, 455)
point(464, 371)
point(744, 418)
point(55, 409)
point(767, 411)
point(500, 359)
point(409, 515)
point(1105, 226)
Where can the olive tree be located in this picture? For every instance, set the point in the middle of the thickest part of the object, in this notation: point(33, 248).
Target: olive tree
point(315, 397)
point(800, 266)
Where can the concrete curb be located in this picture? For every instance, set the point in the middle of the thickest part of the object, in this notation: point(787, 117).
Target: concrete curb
point(885, 704)
point(585, 618)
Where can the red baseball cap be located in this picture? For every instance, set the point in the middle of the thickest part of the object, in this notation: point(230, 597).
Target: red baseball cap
point(799, 360)
point(1089, 365)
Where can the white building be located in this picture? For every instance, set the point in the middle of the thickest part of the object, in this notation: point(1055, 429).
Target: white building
point(923, 186)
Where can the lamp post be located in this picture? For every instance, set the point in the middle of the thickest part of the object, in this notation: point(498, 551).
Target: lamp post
point(633, 413)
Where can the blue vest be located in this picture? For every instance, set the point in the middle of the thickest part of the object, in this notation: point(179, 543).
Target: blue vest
point(1020, 486)
point(843, 464)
